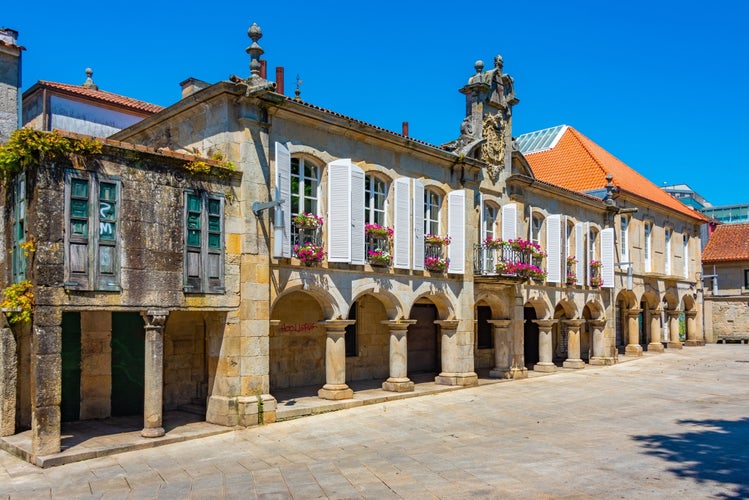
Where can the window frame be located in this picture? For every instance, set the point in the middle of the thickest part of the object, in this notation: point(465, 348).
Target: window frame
point(668, 233)
point(624, 240)
point(297, 173)
point(537, 224)
point(746, 279)
point(685, 254)
point(432, 210)
point(210, 256)
point(94, 277)
point(18, 228)
point(647, 246)
point(372, 209)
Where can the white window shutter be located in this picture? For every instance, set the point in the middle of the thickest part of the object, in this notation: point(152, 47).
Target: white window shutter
point(580, 253)
point(456, 221)
point(282, 234)
point(509, 221)
point(554, 248)
point(357, 216)
point(402, 223)
point(339, 211)
point(608, 253)
point(418, 229)
point(588, 253)
point(482, 226)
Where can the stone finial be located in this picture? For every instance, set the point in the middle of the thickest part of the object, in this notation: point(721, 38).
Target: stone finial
point(498, 61)
point(89, 83)
point(298, 90)
point(478, 66)
point(608, 199)
point(254, 50)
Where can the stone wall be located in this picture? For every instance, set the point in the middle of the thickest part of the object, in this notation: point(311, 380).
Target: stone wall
point(726, 316)
point(9, 91)
point(373, 342)
point(185, 364)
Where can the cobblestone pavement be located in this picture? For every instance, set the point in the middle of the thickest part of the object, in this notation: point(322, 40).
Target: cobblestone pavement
point(671, 425)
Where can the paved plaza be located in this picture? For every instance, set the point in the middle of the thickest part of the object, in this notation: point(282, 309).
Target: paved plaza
point(670, 425)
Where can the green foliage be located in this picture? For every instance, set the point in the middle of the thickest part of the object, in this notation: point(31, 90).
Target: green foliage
point(27, 148)
point(197, 167)
point(19, 300)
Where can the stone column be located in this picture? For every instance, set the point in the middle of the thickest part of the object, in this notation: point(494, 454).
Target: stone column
point(573, 343)
point(633, 334)
point(517, 335)
point(545, 346)
point(656, 344)
point(153, 383)
point(451, 373)
point(8, 378)
point(693, 332)
point(673, 330)
point(597, 338)
point(46, 380)
point(335, 387)
point(398, 380)
point(502, 348)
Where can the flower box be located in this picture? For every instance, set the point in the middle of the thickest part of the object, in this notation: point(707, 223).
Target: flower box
point(380, 258)
point(596, 282)
point(307, 221)
point(436, 240)
point(436, 264)
point(310, 253)
point(376, 231)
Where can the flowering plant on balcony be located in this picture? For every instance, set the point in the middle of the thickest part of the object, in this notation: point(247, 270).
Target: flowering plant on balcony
point(495, 243)
point(524, 245)
point(571, 278)
point(378, 231)
point(571, 261)
point(596, 281)
point(307, 220)
point(379, 257)
point(437, 264)
point(310, 253)
point(434, 239)
point(595, 264)
point(529, 271)
point(505, 267)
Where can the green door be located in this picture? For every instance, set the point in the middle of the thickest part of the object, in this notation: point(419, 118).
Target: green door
point(70, 407)
point(128, 346)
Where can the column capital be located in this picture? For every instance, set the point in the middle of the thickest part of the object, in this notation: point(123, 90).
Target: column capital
point(673, 313)
point(447, 324)
point(573, 322)
point(690, 314)
point(155, 318)
point(545, 323)
point(336, 325)
point(597, 323)
point(633, 312)
point(655, 310)
point(398, 324)
point(500, 323)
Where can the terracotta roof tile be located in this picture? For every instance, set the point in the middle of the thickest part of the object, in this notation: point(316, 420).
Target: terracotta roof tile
point(579, 164)
point(103, 96)
point(729, 242)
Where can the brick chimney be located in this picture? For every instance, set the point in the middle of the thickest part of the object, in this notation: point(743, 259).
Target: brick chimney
point(192, 85)
point(10, 83)
point(279, 79)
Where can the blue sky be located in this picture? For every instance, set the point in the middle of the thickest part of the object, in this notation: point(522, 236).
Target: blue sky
point(659, 84)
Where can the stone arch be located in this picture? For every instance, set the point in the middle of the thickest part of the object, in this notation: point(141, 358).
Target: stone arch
point(688, 302)
point(320, 158)
point(541, 304)
point(333, 307)
point(651, 298)
point(392, 304)
point(445, 307)
point(670, 301)
point(595, 308)
point(495, 302)
point(571, 311)
point(628, 298)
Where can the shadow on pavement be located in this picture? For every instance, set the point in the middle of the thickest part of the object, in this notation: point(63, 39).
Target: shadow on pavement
point(718, 451)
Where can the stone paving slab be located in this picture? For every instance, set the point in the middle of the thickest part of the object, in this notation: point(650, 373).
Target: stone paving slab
point(671, 425)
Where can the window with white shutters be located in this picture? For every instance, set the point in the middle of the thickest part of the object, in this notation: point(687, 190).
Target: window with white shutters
point(375, 193)
point(304, 191)
point(282, 233)
point(624, 239)
point(647, 246)
point(667, 251)
point(432, 202)
point(608, 257)
point(402, 223)
point(456, 216)
point(419, 219)
point(345, 212)
point(509, 221)
point(580, 253)
point(554, 248)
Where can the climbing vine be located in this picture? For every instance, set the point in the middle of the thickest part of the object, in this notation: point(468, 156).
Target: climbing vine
point(28, 147)
point(18, 301)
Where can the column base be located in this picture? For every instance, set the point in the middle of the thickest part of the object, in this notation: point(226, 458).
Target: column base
point(692, 343)
point(633, 350)
point(335, 392)
point(602, 361)
point(398, 384)
point(518, 373)
point(674, 345)
point(500, 373)
point(655, 347)
point(545, 367)
point(462, 379)
point(152, 432)
point(574, 363)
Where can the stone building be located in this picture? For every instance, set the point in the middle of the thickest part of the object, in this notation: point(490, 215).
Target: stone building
point(726, 277)
point(338, 251)
point(10, 82)
point(657, 239)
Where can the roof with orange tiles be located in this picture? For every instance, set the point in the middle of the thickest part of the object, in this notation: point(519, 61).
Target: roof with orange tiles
point(121, 101)
point(561, 155)
point(729, 242)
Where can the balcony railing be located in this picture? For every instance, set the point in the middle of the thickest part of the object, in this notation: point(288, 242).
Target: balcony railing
point(507, 261)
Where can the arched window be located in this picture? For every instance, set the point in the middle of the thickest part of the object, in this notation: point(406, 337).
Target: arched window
point(432, 202)
point(375, 192)
point(490, 222)
point(305, 181)
point(537, 222)
point(593, 244)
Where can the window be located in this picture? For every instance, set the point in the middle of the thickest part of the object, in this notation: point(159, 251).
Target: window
point(746, 279)
point(305, 180)
point(624, 239)
point(204, 243)
point(569, 239)
point(536, 222)
point(374, 200)
point(18, 228)
point(667, 251)
point(92, 239)
point(648, 246)
point(432, 202)
point(593, 245)
point(487, 231)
